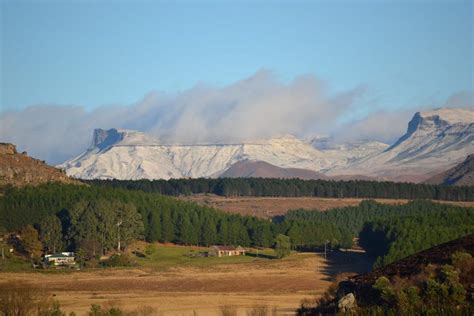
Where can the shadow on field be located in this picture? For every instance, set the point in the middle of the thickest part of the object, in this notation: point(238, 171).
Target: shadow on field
point(345, 262)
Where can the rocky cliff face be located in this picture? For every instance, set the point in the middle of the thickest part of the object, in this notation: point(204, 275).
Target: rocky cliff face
point(19, 169)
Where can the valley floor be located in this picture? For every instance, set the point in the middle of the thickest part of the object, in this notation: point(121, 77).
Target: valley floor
point(268, 207)
point(185, 289)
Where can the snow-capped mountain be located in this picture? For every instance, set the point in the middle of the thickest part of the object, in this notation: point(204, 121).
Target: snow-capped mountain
point(124, 154)
point(346, 152)
point(435, 141)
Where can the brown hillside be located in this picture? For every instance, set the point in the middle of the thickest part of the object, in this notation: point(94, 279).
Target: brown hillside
point(261, 169)
point(19, 169)
point(461, 174)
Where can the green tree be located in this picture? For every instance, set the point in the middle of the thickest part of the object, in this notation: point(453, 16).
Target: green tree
point(263, 235)
point(153, 227)
point(113, 224)
point(223, 232)
point(128, 221)
point(185, 228)
point(50, 232)
point(282, 246)
point(30, 241)
point(208, 232)
point(167, 228)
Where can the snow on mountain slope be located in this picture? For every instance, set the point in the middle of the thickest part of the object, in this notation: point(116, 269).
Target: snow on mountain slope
point(347, 152)
point(434, 141)
point(125, 154)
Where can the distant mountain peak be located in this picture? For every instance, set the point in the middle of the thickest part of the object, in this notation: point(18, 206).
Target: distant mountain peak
point(103, 139)
point(435, 141)
point(449, 115)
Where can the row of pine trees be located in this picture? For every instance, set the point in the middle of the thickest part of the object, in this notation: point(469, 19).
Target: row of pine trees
point(295, 188)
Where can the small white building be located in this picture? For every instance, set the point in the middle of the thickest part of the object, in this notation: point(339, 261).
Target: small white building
point(60, 259)
point(226, 251)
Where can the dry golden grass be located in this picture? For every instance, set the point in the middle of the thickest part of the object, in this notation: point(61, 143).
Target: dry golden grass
point(270, 206)
point(181, 291)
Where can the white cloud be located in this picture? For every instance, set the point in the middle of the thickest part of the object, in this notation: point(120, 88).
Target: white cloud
point(383, 126)
point(256, 107)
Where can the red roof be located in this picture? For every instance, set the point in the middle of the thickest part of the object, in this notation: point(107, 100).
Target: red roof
point(225, 248)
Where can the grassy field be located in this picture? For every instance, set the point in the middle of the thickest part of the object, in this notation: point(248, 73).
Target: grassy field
point(172, 283)
point(171, 256)
point(268, 207)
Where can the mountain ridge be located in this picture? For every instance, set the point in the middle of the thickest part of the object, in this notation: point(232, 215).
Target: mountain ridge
point(434, 141)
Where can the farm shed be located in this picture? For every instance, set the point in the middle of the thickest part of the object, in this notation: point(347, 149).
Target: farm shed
point(226, 251)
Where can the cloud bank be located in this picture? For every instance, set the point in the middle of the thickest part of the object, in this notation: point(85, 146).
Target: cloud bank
point(257, 107)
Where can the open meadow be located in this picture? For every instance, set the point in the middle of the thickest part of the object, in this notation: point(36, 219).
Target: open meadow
point(267, 207)
point(174, 283)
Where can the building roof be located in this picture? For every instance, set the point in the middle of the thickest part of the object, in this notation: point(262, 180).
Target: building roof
point(61, 255)
point(227, 248)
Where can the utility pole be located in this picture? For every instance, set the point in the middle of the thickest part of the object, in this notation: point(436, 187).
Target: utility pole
point(325, 249)
point(118, 235)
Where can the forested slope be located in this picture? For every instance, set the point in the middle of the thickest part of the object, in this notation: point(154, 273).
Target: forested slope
point(295, 188)
point(83, 214)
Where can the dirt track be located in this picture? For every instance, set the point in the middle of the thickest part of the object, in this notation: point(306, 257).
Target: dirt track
point(275, 283)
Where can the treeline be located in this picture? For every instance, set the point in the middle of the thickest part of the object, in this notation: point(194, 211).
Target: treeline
point(396, 238)
point(95, 219)
point(295, 188)
point(97, 216)
point(391, 232)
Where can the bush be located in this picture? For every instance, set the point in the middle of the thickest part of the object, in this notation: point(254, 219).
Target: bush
point(282, 246)
point(258, 310)
point(150, 249)
point(110, 309)
point(227, 310)
point(19, 298)
point(119, 260)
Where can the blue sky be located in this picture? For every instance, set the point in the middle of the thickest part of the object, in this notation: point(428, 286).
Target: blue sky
point(227, 71)
point(94, 53)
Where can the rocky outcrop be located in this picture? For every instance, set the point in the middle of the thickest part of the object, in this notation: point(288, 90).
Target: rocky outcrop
point(347, 303)
point(19, 169)
point(7, 149)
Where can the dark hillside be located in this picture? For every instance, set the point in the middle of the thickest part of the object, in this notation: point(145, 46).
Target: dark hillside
point(436, 281)
point(462, 174)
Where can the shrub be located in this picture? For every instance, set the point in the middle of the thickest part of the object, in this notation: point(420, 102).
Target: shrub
point(19, 298)
point(150, 249)
point(119, 260)
point(258, 310)
point(227, 310)
point(282, 245)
